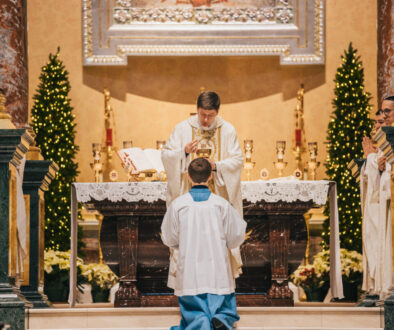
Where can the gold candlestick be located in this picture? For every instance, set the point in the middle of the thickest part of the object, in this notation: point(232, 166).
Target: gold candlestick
point(248, 165)
point(97, 166)
point(313, 164)
point(280, 165)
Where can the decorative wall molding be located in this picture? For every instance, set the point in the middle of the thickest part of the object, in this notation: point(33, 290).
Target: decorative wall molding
point(115, 29)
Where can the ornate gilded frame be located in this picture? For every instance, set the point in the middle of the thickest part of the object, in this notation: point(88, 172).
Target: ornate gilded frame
point(114, 29)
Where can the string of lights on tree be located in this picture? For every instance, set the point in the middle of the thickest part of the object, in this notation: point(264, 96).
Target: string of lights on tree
point(53, 122)
point(349, 123)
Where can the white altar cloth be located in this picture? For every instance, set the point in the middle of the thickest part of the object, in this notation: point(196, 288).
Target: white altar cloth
point(269, 191)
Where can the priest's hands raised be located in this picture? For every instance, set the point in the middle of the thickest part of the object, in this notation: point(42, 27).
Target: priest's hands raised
point(191, 147)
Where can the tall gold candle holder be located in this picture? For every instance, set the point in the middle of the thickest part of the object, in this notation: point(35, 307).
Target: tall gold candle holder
point(248, 165)
point(97, 165)
point(313, 164)
point(160, 145)
point(280, 165)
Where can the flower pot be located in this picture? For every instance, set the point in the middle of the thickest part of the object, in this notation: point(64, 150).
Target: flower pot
point(316, 294)
point(350, 290)
point(99, 295)
point(56, 291)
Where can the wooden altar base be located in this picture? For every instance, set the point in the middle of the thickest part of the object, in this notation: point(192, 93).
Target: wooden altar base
point(243, 300)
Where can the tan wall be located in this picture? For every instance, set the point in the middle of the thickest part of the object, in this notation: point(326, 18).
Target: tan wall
point(152, 94)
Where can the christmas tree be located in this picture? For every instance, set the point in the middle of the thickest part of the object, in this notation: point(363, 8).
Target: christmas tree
point(53, 122)
point(349, 123)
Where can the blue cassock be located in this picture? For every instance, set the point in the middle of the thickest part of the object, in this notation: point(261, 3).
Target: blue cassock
point(198, 311)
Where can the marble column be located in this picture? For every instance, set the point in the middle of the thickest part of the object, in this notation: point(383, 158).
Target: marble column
point(14, 143)
point(13, 59)
point(385, 49)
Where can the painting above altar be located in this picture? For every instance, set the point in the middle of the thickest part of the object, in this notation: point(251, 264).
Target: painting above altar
point(115, 29)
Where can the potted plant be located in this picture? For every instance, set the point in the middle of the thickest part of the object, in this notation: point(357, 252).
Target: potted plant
point(314, 279)
point(351, 268)
point(101, 278)
point(57, 274)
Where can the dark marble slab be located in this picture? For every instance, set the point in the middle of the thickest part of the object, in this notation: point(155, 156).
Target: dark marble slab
point(131, 246)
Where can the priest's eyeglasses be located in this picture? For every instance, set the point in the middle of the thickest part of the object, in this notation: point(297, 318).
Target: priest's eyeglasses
point(386, 111)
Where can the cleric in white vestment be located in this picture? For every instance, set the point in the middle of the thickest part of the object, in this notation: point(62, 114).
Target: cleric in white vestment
point(202, 132)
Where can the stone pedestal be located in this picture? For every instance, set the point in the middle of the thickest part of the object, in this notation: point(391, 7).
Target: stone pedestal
point(37, 176)
point(14, 144)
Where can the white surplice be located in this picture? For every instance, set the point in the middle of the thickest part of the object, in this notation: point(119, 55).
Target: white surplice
point(202, 233)
point(377, 254)
point(226, 180)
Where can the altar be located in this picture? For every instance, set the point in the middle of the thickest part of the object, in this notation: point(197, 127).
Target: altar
point(274, 246)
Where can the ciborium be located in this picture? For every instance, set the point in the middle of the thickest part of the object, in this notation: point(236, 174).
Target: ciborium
point(203, 150)
point(280, 165)
point(313, 164)
point(248, 165)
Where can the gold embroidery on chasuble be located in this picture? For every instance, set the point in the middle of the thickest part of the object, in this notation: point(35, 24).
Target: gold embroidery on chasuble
point(208, 140)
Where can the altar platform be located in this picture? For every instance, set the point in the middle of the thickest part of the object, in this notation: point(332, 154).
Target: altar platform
point(304, 316)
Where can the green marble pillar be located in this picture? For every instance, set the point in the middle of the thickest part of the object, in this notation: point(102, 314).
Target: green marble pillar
point(37, 176)
point(14, 143)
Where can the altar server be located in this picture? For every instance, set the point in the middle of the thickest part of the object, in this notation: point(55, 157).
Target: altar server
point(202, 226)
point(205, 131)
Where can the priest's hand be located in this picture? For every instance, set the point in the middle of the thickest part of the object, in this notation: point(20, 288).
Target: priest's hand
point(382, 163)
point(368, 147)
point(191, 147)
point(213, 165)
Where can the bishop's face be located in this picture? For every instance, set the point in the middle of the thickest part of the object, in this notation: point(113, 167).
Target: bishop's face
point(206, 117)
point(388, 110)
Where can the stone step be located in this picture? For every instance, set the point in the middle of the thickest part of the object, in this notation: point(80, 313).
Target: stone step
point(237, 328)
point(252, 318)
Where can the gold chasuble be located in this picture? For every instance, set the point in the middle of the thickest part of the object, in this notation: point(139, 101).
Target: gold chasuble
point(218, 142)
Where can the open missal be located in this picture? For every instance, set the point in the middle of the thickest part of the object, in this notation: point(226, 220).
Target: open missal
point(136, 160)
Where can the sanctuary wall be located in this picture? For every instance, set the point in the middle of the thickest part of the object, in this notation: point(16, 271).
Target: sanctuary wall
point(151, 94)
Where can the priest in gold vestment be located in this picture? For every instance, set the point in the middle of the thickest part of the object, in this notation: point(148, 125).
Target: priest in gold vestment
point(205, 135)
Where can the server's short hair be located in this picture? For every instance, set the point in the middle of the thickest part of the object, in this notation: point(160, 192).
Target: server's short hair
point(208, 101)
point(199, 170)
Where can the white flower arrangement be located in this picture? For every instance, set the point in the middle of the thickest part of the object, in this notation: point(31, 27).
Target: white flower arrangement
point(99, 275)
point(59, 259)
point(314, 276)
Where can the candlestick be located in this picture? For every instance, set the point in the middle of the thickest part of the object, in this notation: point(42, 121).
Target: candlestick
point(248, 165)
point(313, 164)
point(97, 166)
point(280, 165)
